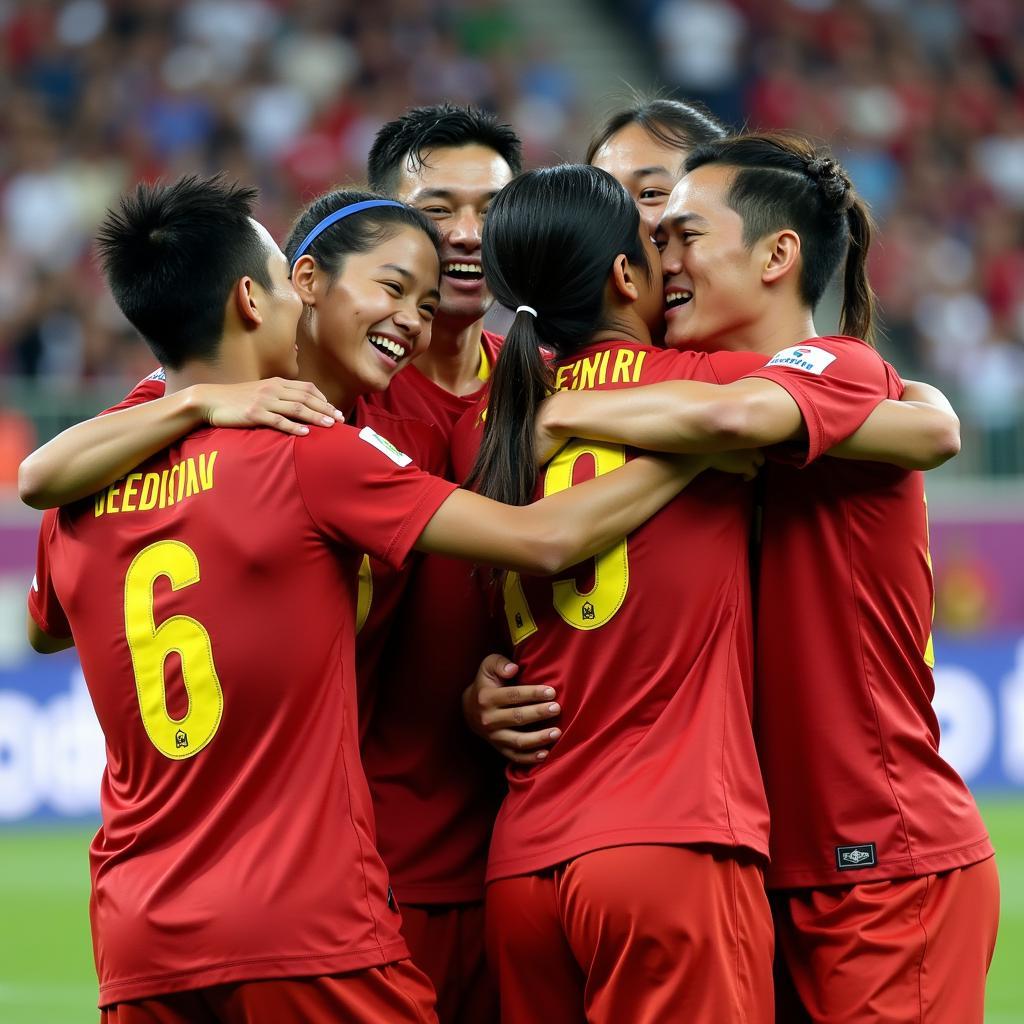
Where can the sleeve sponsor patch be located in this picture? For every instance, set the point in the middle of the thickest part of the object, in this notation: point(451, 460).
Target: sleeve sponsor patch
point(382, 444)
point(803, 357)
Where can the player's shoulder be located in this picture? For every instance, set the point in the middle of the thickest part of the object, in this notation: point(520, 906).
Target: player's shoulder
point(151, 387)
point(492, 344)
point(826, 353)
point(421, 440)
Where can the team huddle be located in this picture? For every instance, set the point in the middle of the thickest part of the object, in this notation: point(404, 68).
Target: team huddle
point(580, 675)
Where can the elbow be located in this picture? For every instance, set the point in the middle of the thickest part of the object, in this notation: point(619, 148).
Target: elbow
point(558, 550)
point(30, 487)
point(945, 445)
point(727, 423)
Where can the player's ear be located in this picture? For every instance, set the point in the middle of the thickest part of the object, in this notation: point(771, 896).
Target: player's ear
point(780, 255)
point(304, 279)
point(247, 303)
point(621, 279)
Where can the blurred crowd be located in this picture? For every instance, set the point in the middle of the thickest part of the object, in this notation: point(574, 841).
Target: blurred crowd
point(923, 99)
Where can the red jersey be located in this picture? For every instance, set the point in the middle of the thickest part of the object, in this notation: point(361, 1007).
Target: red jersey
point(847, 737)
point(649, 648)
point(212, 597)
point(380, 585)
point(436, 787)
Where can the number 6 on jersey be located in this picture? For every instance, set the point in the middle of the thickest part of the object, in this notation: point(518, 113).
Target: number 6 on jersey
point(150, 645)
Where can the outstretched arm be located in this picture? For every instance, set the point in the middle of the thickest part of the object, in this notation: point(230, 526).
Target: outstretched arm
point(682, 416)
point(564, 528)
point(90, 455)
point(921, 431)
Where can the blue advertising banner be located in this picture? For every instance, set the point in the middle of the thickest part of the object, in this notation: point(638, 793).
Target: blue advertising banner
point(52, 756)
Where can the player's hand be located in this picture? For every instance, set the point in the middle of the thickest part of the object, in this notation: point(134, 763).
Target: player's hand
point(506, 715)
point(546, 444)
point(744, 462)
point(285, 405)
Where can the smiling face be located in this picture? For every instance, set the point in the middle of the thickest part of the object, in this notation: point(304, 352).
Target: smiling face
point(454, 187)
point(374, 317)
point(646, 168)
point(714, 294)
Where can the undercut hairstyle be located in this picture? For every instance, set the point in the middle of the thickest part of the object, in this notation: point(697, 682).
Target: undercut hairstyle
point(406, 141)
point(550, 240)
point(675, 123)
point(782, 181)
point(358, 233)
point(172, 254)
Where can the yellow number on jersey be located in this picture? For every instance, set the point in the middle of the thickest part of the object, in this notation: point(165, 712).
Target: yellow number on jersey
point(597, 606)
point(150, 645)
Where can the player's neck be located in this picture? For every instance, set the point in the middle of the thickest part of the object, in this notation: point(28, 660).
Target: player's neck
point(319, 367)
point(232, 364)
point(453, 359)
point(771, 334)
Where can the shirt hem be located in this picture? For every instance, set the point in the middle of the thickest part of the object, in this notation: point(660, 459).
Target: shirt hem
point(905, 867)
point(279, 966)
point(510, 867)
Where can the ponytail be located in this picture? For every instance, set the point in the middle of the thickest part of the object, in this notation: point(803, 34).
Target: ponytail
point(549, 243)
point(506, 468)
point(857, 316)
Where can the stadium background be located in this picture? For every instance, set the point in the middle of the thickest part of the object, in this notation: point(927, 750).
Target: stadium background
point(922, 99)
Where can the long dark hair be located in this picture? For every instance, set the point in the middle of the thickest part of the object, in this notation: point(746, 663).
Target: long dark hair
point(783, 181)
point(549, 242)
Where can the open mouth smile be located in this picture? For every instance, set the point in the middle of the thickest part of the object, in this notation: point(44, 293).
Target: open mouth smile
point(458, 270)
point(677, 297)
point(390, 348)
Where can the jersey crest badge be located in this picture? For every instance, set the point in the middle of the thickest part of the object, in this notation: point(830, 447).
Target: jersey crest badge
point(382, 444)
point(803, 357)
point(850, 858)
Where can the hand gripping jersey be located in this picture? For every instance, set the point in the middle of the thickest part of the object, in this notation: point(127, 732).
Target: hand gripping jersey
point(212, 596)
point(649, 648)
point(847, 736)
point(436, 787)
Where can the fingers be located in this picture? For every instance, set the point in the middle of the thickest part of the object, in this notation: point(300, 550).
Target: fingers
point(524, 747)
point(492, 718)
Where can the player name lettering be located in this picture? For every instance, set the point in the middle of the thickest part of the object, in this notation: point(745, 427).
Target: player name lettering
point(140, 492)
point(601, 368)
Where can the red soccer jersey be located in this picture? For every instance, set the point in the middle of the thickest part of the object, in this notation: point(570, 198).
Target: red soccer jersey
point(237, 836)
point(847, 736)
point(649, 648)
point(436, 788)
point(380, 585)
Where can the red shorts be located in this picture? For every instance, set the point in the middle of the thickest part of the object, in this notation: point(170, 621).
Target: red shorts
point(397, 992)
point(915, 949)
point(644, 934)
point(447, 943)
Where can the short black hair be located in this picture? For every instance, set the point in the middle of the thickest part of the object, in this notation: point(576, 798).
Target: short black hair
point(681, 124)
point(172, 255)
point(421, 129)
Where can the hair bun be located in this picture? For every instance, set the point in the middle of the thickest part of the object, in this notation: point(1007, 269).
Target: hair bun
point(835, 186)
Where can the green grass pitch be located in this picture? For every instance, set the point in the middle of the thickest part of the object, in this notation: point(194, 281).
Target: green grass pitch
point(46, 970)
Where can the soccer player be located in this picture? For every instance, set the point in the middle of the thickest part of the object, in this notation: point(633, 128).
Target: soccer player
point(235, 876)
point(884, 887)
point(625, 872)
point(435, 788)
point(643, 147)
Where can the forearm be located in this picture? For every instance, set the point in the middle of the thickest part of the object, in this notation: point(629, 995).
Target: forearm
point(560, 530)
point(95, 453)
point(683, 417)
point(920, 432)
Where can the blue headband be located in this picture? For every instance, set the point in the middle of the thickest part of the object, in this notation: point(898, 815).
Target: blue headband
point(333, 218)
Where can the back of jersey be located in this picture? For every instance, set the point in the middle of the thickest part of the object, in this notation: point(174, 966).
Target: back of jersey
point(649, 648)
point(214, 616)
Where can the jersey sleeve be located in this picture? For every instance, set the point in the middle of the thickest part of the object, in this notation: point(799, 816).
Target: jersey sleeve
point(836, 383)
point(362, 491)
point(43, 604)
point(149, 388)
